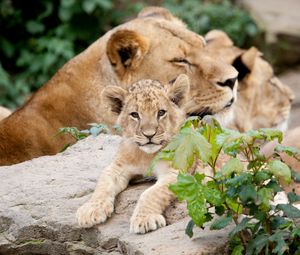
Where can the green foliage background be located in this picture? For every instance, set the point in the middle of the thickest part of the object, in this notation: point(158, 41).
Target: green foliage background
point(38, 37)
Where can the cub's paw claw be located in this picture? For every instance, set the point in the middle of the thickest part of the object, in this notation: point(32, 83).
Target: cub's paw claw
point(92, 213)
point(142, 224)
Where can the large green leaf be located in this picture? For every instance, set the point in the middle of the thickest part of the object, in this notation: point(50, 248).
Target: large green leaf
point(198, 210)
point(289, 210)
point(281, 246)
point(221, 222)
point(280, 170)
point(233, 165)
point(213, 196)
point(186, 145)
point(264, 195)
point(248, 192)
point(186, 187)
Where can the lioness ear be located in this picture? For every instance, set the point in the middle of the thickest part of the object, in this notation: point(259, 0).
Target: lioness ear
point(218, 38)
point(179, 90)
point(125, 50)
point(241, 68)
point(114, 97)
point(250, 56)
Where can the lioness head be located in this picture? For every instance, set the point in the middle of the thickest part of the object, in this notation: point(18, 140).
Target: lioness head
point(148, 112)
point(263, 101)
point(158, 46)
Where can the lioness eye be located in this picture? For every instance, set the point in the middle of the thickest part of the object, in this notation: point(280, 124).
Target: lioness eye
point(161, 113)
point(135, 115)
point(181, 60)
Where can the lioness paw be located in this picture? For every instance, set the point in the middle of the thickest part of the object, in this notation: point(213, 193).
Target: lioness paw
point(141, 224)
point(92, 213)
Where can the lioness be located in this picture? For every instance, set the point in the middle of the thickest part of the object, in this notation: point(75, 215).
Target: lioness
point(263, 101)
point(150, 114)
point(154, 45)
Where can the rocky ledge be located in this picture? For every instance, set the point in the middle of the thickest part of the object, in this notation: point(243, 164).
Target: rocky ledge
point(39, 199)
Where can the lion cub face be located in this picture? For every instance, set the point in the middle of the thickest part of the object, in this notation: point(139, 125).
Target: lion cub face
point(149, 112)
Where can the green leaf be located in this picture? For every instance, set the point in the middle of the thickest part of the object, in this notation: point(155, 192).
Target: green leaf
point(241, 226)
point(186, 188)
point(213, 196)
point(291, 151)
point(281, 246)
point(248, 192)
point(189, 229)
point(257, 244)
point(220, 210)
point(35, 27)
point(233, 205)
point(221, 222)
point(293, 197)
point(289, 210)
point(264, 195)
point(280, 170)
point(197, 211)
point(186, 145)
point(262, 176)
point(296, 232)
point(295, 176)
point(238, 250)
point(278, 222)
point(233, 165)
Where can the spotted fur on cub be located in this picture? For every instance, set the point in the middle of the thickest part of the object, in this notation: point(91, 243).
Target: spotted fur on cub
point(150, 114)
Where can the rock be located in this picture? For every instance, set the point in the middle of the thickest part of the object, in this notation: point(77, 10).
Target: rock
point(292, 78)
point(39, 199)
point(280, 22)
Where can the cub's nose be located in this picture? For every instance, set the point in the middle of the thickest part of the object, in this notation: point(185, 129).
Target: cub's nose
point(228, 83)
point(149, 134)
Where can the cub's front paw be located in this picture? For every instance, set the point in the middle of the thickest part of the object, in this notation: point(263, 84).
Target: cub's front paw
point(94, 212)
point(141, 224)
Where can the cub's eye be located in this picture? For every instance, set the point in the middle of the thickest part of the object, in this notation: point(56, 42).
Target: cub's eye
point(135, 115)
point(161, 113)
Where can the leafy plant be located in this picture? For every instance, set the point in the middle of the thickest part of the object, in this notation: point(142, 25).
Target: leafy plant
point(78, 135)
point(37, 41)
point(241, 192)
point(203, 16)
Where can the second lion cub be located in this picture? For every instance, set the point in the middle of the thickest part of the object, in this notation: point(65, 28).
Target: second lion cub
point(150, 114)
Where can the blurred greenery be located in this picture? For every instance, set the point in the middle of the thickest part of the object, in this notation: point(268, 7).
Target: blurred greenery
point(38, 37)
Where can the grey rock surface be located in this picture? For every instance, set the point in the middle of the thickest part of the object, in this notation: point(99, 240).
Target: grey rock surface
point(39, 199)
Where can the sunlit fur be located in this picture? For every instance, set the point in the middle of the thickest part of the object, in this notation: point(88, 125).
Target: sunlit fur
point(263, 101)
point(147, 111)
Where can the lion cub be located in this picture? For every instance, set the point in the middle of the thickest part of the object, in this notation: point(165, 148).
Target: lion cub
point(150, 114)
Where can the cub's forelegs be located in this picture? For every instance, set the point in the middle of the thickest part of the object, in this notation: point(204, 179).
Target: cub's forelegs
point(147, 215)
point(111, 182)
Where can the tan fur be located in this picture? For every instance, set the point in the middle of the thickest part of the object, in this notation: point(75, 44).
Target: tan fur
point(155, 45)
point(149, 112)
point(263, 101)
point(4, 112)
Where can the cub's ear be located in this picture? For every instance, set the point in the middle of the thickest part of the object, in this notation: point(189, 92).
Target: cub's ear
point(178, 92)
point(113, 97)
point(125, 50)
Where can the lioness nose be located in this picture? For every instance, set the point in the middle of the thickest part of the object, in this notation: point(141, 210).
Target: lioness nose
point(228, 83)
point(149, 134)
